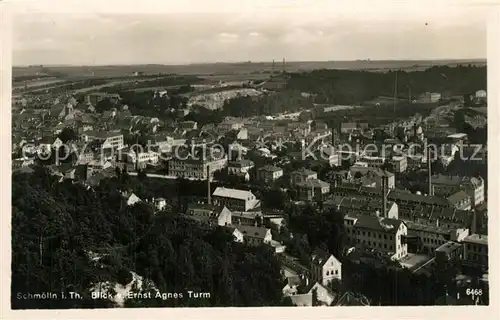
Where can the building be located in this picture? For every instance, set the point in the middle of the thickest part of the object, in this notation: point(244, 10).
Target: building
point(96, 166)
point(460, 200)
point(431, 236)
point(255, 236)
point(450, 251)
point(382, 234)
point(457, 138)
point(476, 251)
point(269, 173)
point(330, 155)
point(188, 125)
point(113, 140)
point(429, 97)
point(480, 94)
point(447, 185)
point(325, 268)
point(348, 127)
point(237, 235)
point(350, 299)
point(159, 203)
point(374, 162)
point(239, 166)
point(375, 174)
point(400, 163)
point(302, 175)
point(142, 159)
point(234, 199)
point(211, 214)
point(361, 205)
point(195, 167)
point(229, 125)
point(312, 190)
point(324, 297)
point(131, 198)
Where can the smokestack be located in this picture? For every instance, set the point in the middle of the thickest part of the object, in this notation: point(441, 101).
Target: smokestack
point(384, 195)
point(272, 72)
point(209, 200)
point(283, 67)
point(474, 222)
point(429, 169)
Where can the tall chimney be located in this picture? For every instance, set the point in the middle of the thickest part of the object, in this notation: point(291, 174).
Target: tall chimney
point(474, 222)
point(384, 195)
point(283, 70)
point(272, 72)
point(209, 200)
point(429, 169)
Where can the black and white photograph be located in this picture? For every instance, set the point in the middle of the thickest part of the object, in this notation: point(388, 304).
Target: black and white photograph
point(277, 155)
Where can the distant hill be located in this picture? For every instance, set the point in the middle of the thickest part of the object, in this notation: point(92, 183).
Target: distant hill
point(236, 68)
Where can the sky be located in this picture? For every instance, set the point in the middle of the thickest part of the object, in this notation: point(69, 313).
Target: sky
point(203, 34)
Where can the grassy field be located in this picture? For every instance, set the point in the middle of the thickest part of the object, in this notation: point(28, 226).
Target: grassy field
point(231, 69)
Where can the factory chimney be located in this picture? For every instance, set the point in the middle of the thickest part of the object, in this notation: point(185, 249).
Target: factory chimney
point(429, 169)
point(209, 200)
point(385, 183)
point(272, 72)
point(283, 66)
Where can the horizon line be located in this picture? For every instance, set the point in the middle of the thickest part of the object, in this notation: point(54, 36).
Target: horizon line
point(277, 61)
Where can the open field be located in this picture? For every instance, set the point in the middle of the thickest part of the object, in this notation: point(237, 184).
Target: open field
point(232, 69)
point(36, 83)
point(384, 101)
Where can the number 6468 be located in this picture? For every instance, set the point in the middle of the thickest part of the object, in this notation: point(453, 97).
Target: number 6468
point(474, 292)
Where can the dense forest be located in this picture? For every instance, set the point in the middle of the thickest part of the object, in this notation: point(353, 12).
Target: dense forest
point(349, 87)
point(355, 87)
point(56, 225)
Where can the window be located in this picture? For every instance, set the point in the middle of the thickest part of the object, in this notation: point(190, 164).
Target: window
point(336, 272)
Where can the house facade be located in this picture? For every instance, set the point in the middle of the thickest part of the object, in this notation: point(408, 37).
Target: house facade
point(269, 173)
point(234, 199)
point(382, 234)
point(312, 190)
point(325, 267)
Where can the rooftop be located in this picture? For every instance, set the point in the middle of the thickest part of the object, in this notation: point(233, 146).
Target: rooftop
point(233, 193)
point(457, 136)
point(477, 238)
point(458, 197)
point(313, 183)
point(378, 224)
point(448, 247)
point(253, 232)
point(270, 168)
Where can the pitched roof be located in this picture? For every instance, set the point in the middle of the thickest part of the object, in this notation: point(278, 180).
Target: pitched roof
point(303, 171)
point(232, 193)
point(102, 134)
point(457, 197)
point(349, 299)
point(316, 183)
point(378, 224)
point(241, 163)
point(269, 168)
point(253, 232)
point(302, 300)
point(320, 256)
